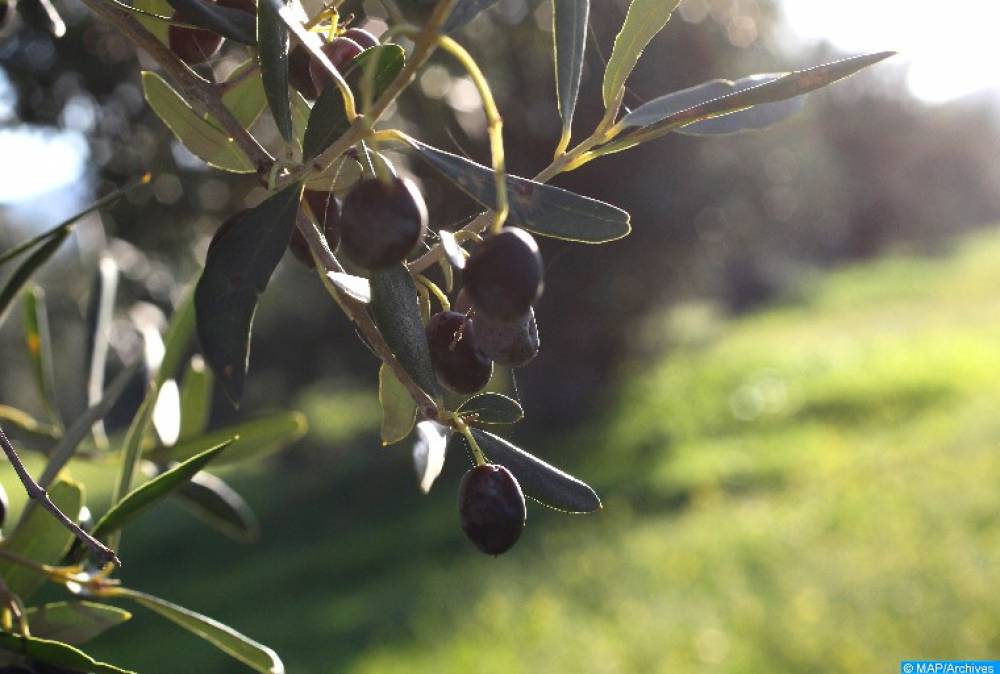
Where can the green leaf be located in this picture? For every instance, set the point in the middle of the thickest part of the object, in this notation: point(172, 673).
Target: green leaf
point(202, 137)
point(157, 27)
point(24, 272)
point(539, 480)
point(464, 12)
point(355, 287)
point(56, 653)
point(177, 338)
point(773, 91)
point(100, 313)
point(130, 455)
point(569, 31)
point(755, 117)
point(253, 439)
point(239, 265)
point(493, 408)
point(27, 424)
point(399, 412)
point(328, 120)
point(542, 209)
point(272, 54)
point(234, 24)
point(78, 430)
point(246, 99)
point(39, 345)
point(397, 315)
point(40, 537)
point(644, 20)
point(218, 505)
point(300, 117)
point(452, 249)
point(74, 622)
point(196, 399)
point(225, 638)
point(143, 497)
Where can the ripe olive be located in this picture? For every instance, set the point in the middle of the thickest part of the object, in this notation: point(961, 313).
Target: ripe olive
point(248, 6)
point(381, 222)
point(504, 275)
point(340, 51)
point(4, 505)
point(458, 362)
point(326, 211)
point(491, 508)
point(192, 45)
point(508, 343)
point(299, 59)
point(362, 37)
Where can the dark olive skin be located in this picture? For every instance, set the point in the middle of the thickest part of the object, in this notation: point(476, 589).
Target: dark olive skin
point(248, 6)
point(491, 508)
point(362, 37)
point(504, 275)
point(341, 51)
point(192, 45)
point(298, 72)
point(381, 223)
point(326, 211)
point(4, 505)
point(511, 344)
point(458, 362)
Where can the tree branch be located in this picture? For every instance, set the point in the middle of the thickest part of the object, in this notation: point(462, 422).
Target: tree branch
point(192, 87)
point(102, 552)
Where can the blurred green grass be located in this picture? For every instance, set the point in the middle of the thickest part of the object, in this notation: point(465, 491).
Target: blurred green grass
point(814, 487)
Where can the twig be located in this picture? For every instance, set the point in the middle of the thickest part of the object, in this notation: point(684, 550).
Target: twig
point(193, 88)
point(103, 553)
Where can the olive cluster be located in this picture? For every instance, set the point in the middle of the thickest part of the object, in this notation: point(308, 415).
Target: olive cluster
point(305, 73)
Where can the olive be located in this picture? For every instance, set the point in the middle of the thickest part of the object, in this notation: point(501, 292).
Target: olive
point(491, 508)
point(458, 362)
point(504, 275)
point(382, 222)
point(192, 45)
point(508, 343)
point(341, 51)
point(326, 212)
point(362, 37)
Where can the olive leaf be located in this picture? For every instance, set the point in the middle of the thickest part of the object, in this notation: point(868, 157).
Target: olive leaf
point(255, 438)
point(196, 398)
point(540, 208)
point(26, 270)
point(203, 137)
point(569, 34)
point(219, 506)
point(226, 21)
point(74, 622)
point(539, 480)
point(396, 312)
point(272, 54)
point(782, 88)
point(755, 117)
point(156, 489)
point(239, 265)
point(57, 654)
point(328, 119)
point(465, 11)
point(492, 408)
point(399, 411)
point(41, 538)
point(645, 18)
point(253, 654)
point(39, 345)
point(100, 313)
point(246, 99)
point(429, 452)
point(452, 249)
point(356, 287)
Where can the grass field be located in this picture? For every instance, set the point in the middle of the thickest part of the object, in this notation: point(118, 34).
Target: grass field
point(811, 488)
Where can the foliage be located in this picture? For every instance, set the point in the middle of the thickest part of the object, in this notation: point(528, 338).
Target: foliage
point(389, 303)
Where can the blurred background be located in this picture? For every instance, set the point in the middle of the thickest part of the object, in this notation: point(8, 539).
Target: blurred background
point(784, 383)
